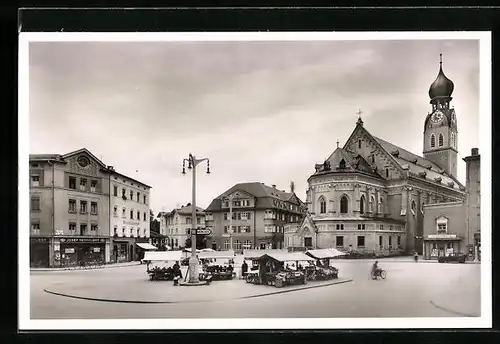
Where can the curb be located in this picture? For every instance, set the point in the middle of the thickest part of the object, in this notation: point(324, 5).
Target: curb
point(199, 301)
point(453, 311)
point(110, 266)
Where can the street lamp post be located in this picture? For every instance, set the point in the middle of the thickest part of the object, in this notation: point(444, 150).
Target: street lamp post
point(193, 261)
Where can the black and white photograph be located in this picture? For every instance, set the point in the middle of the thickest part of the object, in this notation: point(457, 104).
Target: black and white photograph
point(255, 180)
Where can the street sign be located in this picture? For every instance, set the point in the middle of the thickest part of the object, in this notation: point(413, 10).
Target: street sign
point(203, 231)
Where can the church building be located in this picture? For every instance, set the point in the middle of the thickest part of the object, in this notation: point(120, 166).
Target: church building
point(369, 195)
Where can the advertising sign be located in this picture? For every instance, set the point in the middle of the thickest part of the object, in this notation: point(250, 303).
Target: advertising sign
point(87, 240)
point(69, 250)
point(97, 249)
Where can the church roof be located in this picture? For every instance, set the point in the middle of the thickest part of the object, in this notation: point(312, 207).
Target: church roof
point(352, 163)
point(419, 166)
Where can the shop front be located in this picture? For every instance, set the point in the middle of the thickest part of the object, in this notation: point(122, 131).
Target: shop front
point(123, 250)
point(40, 252)
point(441, 245)
point(80, 251)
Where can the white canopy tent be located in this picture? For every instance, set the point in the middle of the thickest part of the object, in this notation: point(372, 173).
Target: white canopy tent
point(326, 253)
point(162, 256)
point(146, 246)
point(217, 255)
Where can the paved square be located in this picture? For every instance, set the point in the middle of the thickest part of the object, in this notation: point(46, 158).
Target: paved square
point(411, 289)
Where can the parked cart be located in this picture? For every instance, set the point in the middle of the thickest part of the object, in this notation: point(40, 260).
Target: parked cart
point(322, 270)
point(273, 271)
point(219, 264)
point(160, 264)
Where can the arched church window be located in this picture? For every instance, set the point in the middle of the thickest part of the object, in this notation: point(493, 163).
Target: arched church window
point(322, 206)
point(362, 205)
point(359, 143)
point(453, 143)
point(387, 173)
point(372, 205)
point(441, 139)
point(343, 205)
point(433, 141)
point(342, 164)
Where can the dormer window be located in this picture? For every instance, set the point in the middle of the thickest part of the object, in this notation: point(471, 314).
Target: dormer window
point(438, 179)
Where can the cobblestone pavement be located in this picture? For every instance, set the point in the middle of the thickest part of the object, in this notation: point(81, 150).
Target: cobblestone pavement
point(410, 290)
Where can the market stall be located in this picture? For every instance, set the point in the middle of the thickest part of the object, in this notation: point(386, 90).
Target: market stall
point(273, 269)
point(322, 270)
point(160, 264)
point(220, 264)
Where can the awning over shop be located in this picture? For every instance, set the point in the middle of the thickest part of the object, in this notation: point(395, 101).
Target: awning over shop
point(146, 246)
point(217, 255)
point(288, 257)
point(163, 256)
point(325, 253)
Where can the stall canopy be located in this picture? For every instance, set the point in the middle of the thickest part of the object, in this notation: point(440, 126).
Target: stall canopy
point(325, 253)
point(146, 246)
point(288, 256)
point(188, 249)
point(255, 254)
point(163, 256)
point(217, 255)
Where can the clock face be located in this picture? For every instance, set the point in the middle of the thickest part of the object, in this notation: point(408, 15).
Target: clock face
point(437, 116)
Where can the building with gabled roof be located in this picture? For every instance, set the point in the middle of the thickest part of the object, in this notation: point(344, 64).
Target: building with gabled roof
point(71, 210)
point(259, 214)
point(176, 225)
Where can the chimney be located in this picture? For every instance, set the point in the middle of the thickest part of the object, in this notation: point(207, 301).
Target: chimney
point(111, 168)
point(474, 151)
point(274, 186)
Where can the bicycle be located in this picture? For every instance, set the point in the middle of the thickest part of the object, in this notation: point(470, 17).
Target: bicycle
point(380, 273)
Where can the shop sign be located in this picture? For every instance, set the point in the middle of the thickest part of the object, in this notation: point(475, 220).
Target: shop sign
point(442, 236)
point(131, 223)
point(42, 240)
point(57, 246)
point(59, 232)
point(69, 250)
point(97, 249)
point(83, 240)
point(203, 231)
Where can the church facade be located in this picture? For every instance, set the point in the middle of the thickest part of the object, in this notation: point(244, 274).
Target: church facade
point(369, 195)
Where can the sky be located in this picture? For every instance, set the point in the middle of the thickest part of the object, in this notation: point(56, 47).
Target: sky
point(264, 111)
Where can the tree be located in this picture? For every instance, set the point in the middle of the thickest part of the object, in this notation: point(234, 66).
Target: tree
point(201, 242)
point(154, 224)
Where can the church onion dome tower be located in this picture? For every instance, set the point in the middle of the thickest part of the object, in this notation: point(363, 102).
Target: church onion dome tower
point(441, 89)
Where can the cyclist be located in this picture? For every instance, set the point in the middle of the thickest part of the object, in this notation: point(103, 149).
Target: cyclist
point(375, 269)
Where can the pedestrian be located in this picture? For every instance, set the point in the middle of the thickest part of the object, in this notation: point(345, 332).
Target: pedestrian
point(244, 269)
point(177, 272)
point(416, 257)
